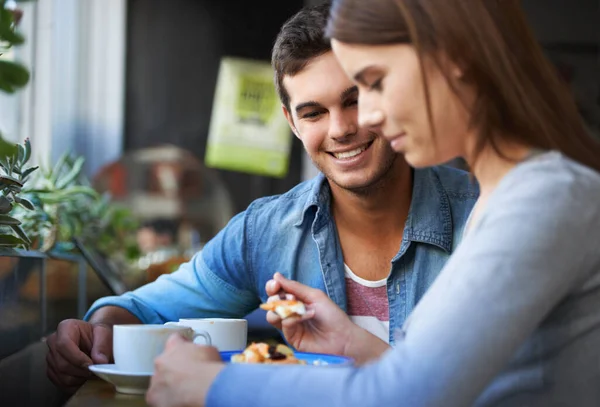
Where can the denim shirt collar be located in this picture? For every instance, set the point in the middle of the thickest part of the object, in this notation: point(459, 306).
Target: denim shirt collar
point(429, 218)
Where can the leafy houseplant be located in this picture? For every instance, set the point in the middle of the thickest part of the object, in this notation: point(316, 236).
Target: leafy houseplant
point(62, 203)
point(67, 206)
point(13, 157)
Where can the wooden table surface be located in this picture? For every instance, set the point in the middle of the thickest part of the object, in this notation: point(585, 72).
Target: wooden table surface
point(98, 393)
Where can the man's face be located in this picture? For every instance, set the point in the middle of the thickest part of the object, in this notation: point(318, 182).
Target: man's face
point(324, 116)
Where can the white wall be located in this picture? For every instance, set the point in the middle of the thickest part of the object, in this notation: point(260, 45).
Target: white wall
point(75, 99)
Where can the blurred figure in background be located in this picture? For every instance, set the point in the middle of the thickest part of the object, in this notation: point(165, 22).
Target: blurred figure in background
point(157, 234)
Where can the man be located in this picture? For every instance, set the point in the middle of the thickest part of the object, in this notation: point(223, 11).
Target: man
point(369, 231)
point(156, 234)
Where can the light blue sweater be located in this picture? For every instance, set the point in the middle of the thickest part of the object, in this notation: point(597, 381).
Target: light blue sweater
point(512, 320)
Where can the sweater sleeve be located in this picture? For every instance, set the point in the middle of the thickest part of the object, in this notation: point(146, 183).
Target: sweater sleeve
point(533, 245)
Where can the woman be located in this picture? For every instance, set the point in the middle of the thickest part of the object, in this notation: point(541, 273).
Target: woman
point(514, 317)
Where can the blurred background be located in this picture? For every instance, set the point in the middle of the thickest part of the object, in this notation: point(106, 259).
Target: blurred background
point(143, 155)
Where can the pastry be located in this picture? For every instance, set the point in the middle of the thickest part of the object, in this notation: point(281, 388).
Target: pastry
point(285, 308)
point(267, 354)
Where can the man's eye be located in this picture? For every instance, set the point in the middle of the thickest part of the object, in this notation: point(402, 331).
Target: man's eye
point(311, 115)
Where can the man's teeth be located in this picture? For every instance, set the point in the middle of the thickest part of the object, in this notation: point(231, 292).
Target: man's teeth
point(349, 154)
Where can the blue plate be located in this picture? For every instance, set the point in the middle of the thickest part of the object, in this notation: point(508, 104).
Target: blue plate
point(312, 359)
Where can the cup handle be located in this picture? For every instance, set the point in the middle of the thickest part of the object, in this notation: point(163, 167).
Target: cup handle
point(203, 334)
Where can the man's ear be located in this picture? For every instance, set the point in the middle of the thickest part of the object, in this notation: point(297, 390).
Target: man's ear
point(290, 120)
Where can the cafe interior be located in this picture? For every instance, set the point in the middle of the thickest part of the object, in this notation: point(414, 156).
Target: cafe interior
point(123, 111)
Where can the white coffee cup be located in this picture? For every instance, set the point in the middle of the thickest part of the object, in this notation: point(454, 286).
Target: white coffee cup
point(136, 346)
point(226, 334)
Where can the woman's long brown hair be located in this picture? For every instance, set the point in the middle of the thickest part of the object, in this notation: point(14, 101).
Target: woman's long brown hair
point(519, 92)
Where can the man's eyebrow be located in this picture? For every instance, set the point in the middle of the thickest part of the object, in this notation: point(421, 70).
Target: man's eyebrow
point(307, 104)
point(351, 90)
point(343, 95)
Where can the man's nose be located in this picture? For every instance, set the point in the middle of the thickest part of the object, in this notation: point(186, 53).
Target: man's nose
point(342, 124)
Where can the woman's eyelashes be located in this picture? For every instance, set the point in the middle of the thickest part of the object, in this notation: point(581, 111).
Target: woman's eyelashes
point(375, 85)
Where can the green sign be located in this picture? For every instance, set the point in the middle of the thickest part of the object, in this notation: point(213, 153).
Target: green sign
point(248, 131)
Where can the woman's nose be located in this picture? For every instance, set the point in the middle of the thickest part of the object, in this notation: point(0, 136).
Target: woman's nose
point(369, 115)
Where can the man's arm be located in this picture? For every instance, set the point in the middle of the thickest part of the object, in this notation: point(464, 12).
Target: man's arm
point(217, 282)
point(111, 315)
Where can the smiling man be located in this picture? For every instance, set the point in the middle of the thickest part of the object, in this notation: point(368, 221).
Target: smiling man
point(369, 231)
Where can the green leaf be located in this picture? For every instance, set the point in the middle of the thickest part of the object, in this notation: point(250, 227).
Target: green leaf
point(13, 73)
point(7, 149)
point(11, 241)
point(69, 227)
point(51, 199)
point(7, 32)
point(72, 174)
point(27, 147)
point(7, 27)
point(9, 220)
point(5, 205)
point(6, 180)
point(21, 233)
point(55, 172)
point(29, 171)
point(79, 190)
point(25, 203)
point(6, 87)
point(38, 191)
point(20, 155)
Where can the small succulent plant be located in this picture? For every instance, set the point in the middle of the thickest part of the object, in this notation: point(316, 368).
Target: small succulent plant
point(67, 206)
point(14, 174)
point(62, 202)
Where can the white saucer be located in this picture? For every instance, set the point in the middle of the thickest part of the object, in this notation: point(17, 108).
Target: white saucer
point(124, 382)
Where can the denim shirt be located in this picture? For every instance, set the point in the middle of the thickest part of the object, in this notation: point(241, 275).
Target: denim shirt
point(295, 234)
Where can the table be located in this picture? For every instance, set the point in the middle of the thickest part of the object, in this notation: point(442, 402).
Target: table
point(98, 393)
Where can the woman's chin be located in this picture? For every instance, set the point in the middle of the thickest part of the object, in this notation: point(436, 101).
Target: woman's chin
point(420, 159)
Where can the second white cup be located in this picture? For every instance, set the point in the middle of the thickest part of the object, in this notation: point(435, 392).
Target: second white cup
point(225, 334)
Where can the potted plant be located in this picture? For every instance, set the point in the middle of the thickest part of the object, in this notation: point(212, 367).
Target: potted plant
point(13, 175)
point(67, 206)
point(13, 157)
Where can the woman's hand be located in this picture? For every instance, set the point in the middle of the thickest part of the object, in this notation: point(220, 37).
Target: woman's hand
point(183, 373)
point(325, 328)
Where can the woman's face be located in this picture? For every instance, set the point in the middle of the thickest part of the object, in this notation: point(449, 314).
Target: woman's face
point(392, 99)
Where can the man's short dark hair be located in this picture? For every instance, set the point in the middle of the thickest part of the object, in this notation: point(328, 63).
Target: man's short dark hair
point(301, 39)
